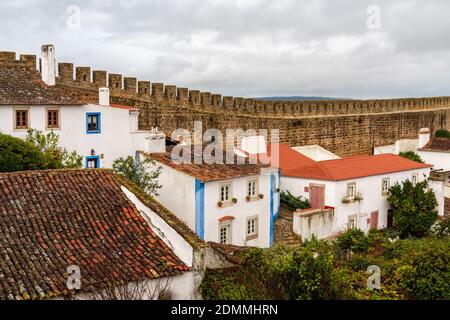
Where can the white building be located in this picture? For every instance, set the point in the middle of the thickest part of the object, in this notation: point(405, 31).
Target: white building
point(349, 192)
point(99, 133)
point(224, 203)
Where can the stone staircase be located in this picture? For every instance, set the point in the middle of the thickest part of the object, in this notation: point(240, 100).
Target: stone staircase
point(283, 232)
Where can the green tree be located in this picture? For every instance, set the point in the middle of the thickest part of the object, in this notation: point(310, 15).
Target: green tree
point(441, 133)
point(19, 155)
point(414, 208)
point(411, 156)
point(48, 144)
point(144, 173)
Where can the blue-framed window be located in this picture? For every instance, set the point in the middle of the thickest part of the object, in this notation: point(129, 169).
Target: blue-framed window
point(93, 162)
point(93, 122)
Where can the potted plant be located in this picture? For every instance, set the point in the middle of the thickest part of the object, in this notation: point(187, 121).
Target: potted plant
point(248, 198)
point(219, 204)
point(235, 200)
point(346, 200)
point(261, 196)
point(277, 190)
point(359, 197)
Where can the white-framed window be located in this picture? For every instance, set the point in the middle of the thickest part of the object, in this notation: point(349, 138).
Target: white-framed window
point(252, 188)
point(352, 222)
point(252, 228)
point(415, 178)
point(225, 192)
point(225, 232)
point(351, 190)
point(385, 185)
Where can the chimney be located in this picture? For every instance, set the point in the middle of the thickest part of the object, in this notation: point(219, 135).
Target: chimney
point(424, 137)
point(155, 142)
point(254, 145)
point(48, 64)
point(103, 96)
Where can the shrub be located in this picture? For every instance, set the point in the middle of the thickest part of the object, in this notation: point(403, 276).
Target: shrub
point(293, 202)
point(411, 156)
point(142, 172)
point(442, 229)
point(441, 133)
point(414, 208)
point(19, 155)
point(354, 240)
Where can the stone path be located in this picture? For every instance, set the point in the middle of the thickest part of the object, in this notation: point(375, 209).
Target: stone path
point(283, 229)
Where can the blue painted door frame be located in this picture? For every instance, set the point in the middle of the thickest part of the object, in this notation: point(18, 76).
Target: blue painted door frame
point(200, 209)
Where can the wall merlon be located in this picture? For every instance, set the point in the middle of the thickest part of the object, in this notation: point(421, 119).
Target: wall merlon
point(144, 88)
point(99, 78)
point(130, 84)
point(29, 60)
point(238, 103)
point(65, 71)
point(171, 92)
point(7, 55)
point(183, 94)
point(194, 97)
point(115, 81)
point(205, 98)
point(83, 74)
point(228, 102)
point(158, 90)
point(216, 100)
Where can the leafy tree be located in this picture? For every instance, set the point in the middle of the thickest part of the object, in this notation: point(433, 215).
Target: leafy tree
point(48, 144)
point(19, 155)
point(414, 208)
point(441, 133)
point(142, 172)
point(411, 156)
point(293, 202)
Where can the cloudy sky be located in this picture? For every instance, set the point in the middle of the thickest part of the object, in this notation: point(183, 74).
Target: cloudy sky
point(339, 48)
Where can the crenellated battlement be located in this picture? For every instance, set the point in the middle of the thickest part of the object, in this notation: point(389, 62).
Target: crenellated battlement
point(8, 58)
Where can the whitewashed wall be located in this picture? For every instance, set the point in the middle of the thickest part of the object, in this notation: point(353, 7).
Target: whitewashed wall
point(369, 187)
point(118, 137)
point(440, 160)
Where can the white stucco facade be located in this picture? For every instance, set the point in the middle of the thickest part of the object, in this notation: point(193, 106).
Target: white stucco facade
point(439, 160)
point(118, 135)
point(181, 196)
point(374, 200)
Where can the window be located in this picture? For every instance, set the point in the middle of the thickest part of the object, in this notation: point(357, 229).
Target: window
point(351, 190)
point(93, 162)
point(385, 185)
point(225, 233)
point(415, 178)
point(252, 188)
point(52, 119)
point(252, 228)
point(21, 119)
point(225, 193)
point(93, 122)
point(352, 222)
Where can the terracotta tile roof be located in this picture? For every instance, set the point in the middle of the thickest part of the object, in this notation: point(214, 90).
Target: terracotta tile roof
point(118, 106)
point(209, 172)
point(23, 86)
point(50, 220)
point(437, 144)
point(354, 167)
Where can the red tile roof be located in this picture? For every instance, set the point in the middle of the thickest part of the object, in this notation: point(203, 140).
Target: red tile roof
point(209, 172)
point(118, 106)
point(437, 144)
point(354, 167)
point(50, 220)
point(23, 86)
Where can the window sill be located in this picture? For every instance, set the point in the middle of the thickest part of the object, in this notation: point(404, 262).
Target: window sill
point(253, 237)
point(93, 132)
point(226, 204)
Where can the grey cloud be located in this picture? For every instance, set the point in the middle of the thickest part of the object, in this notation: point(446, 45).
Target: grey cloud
point(249, 47)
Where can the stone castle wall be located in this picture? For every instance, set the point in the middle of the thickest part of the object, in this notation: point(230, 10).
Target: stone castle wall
point(345, 127)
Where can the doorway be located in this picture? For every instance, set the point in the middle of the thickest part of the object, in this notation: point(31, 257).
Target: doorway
point(317, 196)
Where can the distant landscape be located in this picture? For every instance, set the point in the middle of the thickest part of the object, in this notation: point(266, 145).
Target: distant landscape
point(298, 98)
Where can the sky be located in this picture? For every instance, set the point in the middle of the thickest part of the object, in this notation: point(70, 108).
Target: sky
point(250, 48)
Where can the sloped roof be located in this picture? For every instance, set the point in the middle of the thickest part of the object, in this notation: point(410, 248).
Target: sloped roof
point(288, 158)
point(437, 144)
point(206, 170)
point(23, 86)
point(354, 167)
point(50, 220)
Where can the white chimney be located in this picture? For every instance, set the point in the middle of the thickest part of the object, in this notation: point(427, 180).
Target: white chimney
point(254, 145)
point(48, 64)
point(424, 137)
point(155, 142)
point(103, 96)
